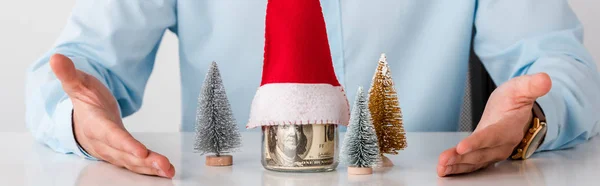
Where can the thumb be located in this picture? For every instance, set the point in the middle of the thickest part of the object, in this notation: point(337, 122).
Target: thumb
point(65, 71)
point(533, 86)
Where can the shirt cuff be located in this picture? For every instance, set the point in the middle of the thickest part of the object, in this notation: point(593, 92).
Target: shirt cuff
point(548, 105)
point(63, 119)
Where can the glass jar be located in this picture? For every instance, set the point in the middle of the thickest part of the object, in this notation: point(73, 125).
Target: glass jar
point(300, 148)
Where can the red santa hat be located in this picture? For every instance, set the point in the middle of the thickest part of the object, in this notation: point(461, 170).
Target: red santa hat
point(298, 85)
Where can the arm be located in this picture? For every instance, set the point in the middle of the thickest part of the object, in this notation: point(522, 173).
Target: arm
point(516, 37)
point(533, 50)
point(114, 42)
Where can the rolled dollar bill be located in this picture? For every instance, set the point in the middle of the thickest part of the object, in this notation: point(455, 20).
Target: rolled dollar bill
point(300, 148)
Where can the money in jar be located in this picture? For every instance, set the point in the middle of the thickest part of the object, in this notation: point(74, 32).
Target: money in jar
point(300, 148)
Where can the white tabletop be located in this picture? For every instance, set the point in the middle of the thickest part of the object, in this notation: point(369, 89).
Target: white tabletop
point(25, 162)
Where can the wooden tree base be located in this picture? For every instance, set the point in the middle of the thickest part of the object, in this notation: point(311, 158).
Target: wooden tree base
point(386, 162)
point(360, 170)
point(222, 160)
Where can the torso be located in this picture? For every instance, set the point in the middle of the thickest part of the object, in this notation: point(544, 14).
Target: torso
point(427, 43)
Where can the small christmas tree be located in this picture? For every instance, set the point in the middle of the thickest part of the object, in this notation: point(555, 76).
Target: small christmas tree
point(216, 129)
point(360, 150)
point(386, 112)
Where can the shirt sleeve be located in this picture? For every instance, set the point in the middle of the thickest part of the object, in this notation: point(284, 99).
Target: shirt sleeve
point(113, 40)
point(516, 37)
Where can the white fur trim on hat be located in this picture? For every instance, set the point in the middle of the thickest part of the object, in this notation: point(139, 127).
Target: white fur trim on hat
point(296, 103)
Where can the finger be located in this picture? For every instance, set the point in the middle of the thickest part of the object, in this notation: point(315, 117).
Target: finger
point(171, 172)
point(143, 170)
point(485, 155)
point(441, 170)
point(155, 163)
point(106, 153)
point(122, 159)
point(65, 71)
point(139, 165)
point(147, 165)
point(448, 157)
point(160, 163)
point(490, 136)
point(461, 168)
point(533, 86)
point(120, 139)
point(137, 169)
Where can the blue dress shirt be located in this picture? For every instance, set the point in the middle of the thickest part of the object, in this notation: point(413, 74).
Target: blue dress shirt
point(427, 43)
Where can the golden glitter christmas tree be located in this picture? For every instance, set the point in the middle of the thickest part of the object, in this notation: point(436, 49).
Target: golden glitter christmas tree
point(386, 112)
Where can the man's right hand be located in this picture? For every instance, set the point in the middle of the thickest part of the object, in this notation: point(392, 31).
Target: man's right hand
point(98, 126)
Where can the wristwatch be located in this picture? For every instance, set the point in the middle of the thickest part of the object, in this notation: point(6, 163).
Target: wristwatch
point(533, 137)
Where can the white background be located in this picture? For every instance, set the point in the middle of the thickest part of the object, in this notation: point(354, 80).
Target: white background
point(29, 27)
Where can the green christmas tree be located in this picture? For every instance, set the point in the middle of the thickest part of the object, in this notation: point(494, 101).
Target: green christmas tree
point(216, 128)
point(360, 144)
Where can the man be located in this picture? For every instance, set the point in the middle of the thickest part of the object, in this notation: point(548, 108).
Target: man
point(287, 139)
point(95, 75)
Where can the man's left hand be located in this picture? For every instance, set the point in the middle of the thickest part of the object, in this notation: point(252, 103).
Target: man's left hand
point(506, 117)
